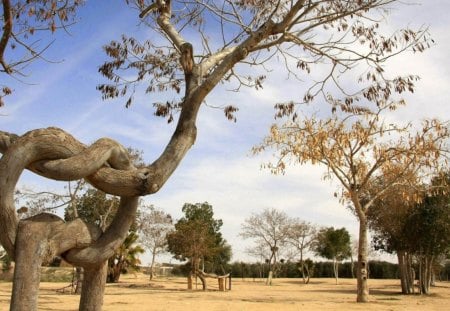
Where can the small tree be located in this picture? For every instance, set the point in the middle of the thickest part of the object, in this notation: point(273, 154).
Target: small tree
point(270, 228)
point(302, 236)
point(260, 251)
point(197, 238)
point(333, 244)
point(153, 226)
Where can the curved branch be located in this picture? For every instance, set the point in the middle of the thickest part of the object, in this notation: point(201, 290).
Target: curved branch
point(7, 31)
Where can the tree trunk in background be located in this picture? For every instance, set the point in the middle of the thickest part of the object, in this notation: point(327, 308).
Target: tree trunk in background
point(425, 273)
point(269, 278)
point(406, 272)
point(336, 270)
point(189, 280)
point(361, 273)
point(78, 280)
point(152, 265)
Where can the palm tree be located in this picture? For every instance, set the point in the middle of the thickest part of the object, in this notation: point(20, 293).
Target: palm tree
point(125, 259)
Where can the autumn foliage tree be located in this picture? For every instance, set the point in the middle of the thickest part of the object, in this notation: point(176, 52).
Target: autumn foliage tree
point(330, 35)
point(358, 148)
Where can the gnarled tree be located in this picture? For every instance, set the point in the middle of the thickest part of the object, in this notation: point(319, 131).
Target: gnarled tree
point(334, 35)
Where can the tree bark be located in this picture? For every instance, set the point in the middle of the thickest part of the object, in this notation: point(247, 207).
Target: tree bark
point(189, 281)
point(79, 273)
point(336, 270)
point(93, 287)
point(425, 273)
point(361, 274)
point(406, 279)
point(38, 240)
point(152, 265)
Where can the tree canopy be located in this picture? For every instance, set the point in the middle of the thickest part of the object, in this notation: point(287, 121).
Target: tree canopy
point(197, 238)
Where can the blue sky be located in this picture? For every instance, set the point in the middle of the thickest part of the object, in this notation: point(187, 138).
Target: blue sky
point(218, 169)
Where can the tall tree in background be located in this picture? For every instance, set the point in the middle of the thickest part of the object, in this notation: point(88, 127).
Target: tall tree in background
point(358, 148)
point(387, 221)
point(333, 244)
point(252, 33)
point(153, 226)
point(302, 236)
point(427, 229)
point(270, 228)
point(197, 238)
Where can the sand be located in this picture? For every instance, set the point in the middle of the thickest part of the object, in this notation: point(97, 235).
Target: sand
point(136, 293)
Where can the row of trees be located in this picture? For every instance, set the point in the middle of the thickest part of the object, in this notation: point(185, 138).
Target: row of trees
point(417, 232)
point(276, 234)
point(317, 269)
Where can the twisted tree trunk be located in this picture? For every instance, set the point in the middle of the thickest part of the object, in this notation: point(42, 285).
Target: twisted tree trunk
point(53, 153)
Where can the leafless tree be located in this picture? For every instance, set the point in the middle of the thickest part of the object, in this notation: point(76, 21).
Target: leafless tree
point(301, 236)
point(269, 228)
point(153, 226)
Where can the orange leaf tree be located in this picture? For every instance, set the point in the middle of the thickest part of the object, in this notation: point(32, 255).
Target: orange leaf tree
point(358, 147)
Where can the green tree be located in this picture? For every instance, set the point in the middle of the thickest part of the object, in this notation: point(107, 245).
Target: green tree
point(415, 231)
point(95, 207)
point(197, 238)
point(428, 232)
point(387, 221)
point(333, 244)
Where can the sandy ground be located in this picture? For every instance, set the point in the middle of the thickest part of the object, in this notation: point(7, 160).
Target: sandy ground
point(136, 293)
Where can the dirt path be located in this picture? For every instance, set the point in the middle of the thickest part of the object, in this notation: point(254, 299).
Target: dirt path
point(134, 293)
